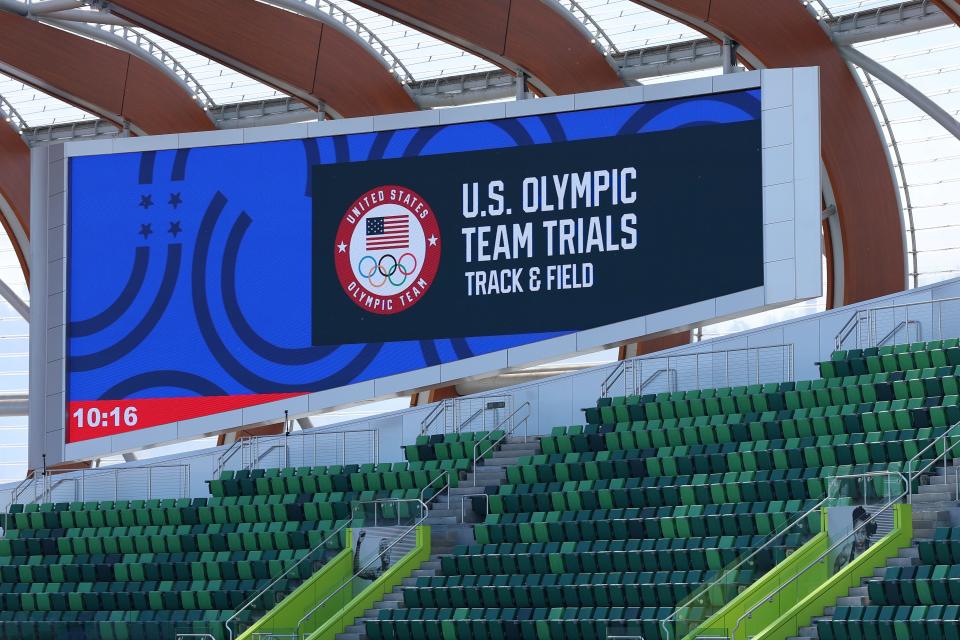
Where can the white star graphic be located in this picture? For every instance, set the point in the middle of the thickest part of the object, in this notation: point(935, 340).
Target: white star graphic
point(433, 240)
point(342, 247)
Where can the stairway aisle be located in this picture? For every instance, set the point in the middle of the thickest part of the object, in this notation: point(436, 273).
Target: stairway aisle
point(449, 525)
point(454, 507)
point(934, 505)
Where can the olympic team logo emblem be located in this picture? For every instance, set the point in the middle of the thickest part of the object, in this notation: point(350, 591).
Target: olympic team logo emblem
point(387, 249)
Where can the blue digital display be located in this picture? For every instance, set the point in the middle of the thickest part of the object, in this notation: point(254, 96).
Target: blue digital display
point(191, 271)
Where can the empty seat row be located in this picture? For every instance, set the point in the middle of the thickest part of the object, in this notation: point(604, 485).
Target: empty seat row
point(312, 484)
point(920, 585)
point(935, 622)
point(849, 419)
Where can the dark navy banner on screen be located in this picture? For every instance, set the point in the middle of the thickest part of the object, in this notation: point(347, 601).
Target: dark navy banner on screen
point(214, 278)
point(560, 237)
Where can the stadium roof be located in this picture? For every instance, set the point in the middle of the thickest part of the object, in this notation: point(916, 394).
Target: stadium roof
point(81, 69)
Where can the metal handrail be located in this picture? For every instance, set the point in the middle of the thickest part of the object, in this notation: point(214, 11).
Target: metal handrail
point(236, 445)
point(432, 416)
point(728, 571)
point(912, 474)
point(79, 477)
point(445, 474)
point(847, 329)
point(350, 580)
point(398, 501)
point(506, 433)
point(21, 486)
point(618, 371)
point(769, 598)
point(463, 499)
point(471, 418)
point(869, 474)
point(671, 382)
point(769, 542)
point(900, 325)
point(283, 441)
point(869, 312)
point(256, 596)
point(673, 359)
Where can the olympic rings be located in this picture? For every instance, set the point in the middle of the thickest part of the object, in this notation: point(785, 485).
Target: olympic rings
point(376, 285)
point(388, 268)
point(372, 270)
point(393, 267)
point(407, 272)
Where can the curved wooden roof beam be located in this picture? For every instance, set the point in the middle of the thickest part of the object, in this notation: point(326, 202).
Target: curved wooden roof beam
point(951, 8)
point(314, 61)
point(538, 36)
point(113, 84)
point(784, 34)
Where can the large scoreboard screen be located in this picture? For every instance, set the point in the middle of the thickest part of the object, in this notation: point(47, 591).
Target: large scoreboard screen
point(212, 278)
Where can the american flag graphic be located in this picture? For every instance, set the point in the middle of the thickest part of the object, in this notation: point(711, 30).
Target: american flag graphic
point(388, 232)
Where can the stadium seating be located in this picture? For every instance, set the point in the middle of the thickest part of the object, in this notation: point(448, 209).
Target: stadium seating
point(616, 522)
point(152, 568)
point(916, 602)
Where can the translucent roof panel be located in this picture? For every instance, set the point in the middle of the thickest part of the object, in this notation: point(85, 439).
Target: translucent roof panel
point(928, 171)
point(225, 85)
point(423, 55)
point(39, 109)
point(840, 7)
point(630, 26)
point(14, 365)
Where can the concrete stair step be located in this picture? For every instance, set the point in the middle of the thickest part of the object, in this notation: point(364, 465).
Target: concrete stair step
point(930, 515)
point(518, 446)
point(933, 505)
point(464, 490)
point(851, 601)
point(945, 486)
point(937, 494)
point(858, 592)
point(901, 562)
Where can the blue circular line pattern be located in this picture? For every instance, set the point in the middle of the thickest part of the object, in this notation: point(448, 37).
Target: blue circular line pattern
point(226, 359)
point(113, 312)
point(149, 321)
point(165, 378)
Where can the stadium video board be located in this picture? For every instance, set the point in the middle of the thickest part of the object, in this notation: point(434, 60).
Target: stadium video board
point(218, 277)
